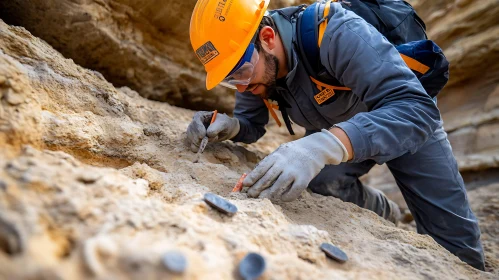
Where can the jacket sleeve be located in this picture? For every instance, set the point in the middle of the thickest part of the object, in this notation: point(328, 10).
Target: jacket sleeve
point(401, 115)
point(252, 115)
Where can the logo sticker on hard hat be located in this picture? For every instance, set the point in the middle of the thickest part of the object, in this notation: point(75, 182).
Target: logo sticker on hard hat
point(222, 4)
point(207, 52)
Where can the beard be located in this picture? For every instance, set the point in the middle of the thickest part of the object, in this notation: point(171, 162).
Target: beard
point(270, 75)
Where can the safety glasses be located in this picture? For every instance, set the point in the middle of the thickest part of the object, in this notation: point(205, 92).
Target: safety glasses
point(244, 71)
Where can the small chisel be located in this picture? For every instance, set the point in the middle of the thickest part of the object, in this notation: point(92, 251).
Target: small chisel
point(204, 142)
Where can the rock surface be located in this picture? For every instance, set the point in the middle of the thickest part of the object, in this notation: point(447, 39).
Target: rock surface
point(143, 45)
point(485, 205)
point(140, 44)
point(96, 182)
point(468, 32)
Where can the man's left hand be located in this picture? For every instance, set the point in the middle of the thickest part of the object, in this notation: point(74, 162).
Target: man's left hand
point(286, 172)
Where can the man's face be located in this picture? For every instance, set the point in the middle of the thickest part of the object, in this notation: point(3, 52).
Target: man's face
point(264, 82)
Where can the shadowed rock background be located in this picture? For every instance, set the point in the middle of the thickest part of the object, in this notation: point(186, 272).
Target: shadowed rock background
point(468, 32)
point(140, 44)
point(95, 180)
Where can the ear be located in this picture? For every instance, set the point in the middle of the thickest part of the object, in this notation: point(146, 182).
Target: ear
point(267, 37)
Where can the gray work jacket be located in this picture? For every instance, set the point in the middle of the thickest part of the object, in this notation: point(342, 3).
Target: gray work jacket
point(387, 113)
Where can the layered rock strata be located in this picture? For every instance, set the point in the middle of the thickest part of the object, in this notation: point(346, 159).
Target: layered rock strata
point(140, 44)
point(468, 32)
point(96, 182)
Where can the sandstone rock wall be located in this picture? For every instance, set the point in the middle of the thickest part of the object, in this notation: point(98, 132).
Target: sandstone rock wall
point(468, 32)
point(140, 44)
point(144, 45)
point(96, 183)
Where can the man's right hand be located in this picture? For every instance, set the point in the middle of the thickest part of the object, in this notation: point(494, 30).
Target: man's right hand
point(224, 128)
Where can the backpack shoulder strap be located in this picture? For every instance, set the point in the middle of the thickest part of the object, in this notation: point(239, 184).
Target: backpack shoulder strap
point(424, 58)
point(323, 22)
point(290, 12)
point(311, 29)
point(307, 35)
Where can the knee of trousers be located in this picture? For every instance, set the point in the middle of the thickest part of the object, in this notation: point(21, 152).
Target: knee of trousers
point(337, 184)
point(341, 181)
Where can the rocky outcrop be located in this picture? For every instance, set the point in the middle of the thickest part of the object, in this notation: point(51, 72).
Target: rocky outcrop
point(485, 205)
point(143, 45)
point(96, 182)
point(468, 32)
point(140, 44)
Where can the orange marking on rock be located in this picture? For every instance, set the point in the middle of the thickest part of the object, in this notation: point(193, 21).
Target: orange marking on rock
point(239, 186)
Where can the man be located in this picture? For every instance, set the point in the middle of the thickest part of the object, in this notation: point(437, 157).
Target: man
point(387, 117)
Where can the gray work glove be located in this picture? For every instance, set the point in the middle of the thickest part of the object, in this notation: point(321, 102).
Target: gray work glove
point(223, 128)
point(286, 172)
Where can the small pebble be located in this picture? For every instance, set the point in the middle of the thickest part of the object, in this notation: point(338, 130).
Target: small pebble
point(3, 186)
point(407, 218)
point(175, 262)
point(334, 252)
point(252, 266)
point(14, 98)
point(220, 204)
point(11, 241)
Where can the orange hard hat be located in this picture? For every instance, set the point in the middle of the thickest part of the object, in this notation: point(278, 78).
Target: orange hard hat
point(220, 32)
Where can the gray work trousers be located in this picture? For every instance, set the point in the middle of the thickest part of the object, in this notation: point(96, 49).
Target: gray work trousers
point(432, 187)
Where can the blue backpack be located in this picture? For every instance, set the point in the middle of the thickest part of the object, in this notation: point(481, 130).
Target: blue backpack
point(394, 19)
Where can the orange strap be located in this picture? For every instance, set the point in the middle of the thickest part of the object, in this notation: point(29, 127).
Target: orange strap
point(326, 91)
point(323, 25)
point(322, 30)
point(414, 64)
point(271, 107)
point(411, 62)
point(328, 86)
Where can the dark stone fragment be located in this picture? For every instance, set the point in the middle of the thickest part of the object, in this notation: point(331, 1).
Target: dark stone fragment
point(11, 241)
point(334, 252)
point(220, 204)
point(175, 262)
point(3, 186)
point(252, 266)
